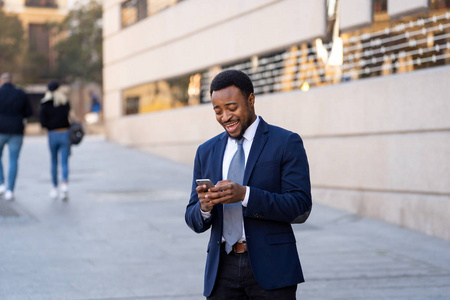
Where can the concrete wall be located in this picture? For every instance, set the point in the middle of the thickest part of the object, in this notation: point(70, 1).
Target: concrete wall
point(377, 147)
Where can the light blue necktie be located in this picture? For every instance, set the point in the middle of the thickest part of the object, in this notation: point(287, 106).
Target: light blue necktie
point(232, 212)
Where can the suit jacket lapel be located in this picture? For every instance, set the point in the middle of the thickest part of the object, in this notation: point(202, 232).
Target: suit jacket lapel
point(258, 144)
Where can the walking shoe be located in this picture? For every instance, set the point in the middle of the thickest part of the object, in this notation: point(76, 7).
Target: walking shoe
point(2, 189)
point(9, 195)
point(64, 191)
point(54, 193)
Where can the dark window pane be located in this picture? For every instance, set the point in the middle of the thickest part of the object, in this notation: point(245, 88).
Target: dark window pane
point(41, 3)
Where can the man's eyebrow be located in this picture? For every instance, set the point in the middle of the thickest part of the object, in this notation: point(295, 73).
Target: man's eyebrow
point(228, 104)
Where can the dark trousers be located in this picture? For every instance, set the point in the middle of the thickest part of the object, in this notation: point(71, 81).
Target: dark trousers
point(235, 281)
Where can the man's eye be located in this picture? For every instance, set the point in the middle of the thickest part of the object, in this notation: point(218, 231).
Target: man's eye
point(233, 108)
point(218, 112)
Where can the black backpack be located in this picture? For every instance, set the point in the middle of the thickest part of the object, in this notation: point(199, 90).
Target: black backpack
point(76, 133)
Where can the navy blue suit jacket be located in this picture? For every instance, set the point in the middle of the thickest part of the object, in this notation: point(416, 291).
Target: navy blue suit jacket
point(277, 173)
point(14, 107)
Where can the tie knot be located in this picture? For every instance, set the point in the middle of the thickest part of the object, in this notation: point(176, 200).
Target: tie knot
point(240, 142)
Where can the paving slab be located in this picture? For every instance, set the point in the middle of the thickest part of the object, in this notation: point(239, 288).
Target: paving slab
point(122, 236)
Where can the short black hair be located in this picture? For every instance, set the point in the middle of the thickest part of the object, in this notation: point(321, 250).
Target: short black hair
point(232, 77)
point(53, 85)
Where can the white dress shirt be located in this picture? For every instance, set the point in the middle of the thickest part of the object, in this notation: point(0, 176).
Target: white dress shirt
point(230, 150)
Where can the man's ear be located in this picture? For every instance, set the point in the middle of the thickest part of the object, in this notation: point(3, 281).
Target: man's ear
point(251, 100)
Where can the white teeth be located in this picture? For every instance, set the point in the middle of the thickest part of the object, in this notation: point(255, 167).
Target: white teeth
point(232, 124)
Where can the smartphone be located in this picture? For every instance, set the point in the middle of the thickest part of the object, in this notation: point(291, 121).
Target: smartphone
point(208, 182)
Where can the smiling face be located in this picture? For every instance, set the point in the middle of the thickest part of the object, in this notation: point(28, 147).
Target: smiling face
point(233, 111)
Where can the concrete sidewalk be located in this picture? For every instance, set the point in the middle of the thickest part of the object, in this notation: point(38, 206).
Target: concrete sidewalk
point(122, 236)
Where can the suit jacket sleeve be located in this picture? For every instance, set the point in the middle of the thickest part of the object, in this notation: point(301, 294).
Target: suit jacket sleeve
point(280, 189)
point(193, 215)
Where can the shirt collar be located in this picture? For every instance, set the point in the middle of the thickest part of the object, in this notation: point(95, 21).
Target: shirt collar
point(249, 134)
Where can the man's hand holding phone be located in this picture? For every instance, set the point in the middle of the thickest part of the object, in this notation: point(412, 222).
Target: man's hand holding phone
point(202, 190)
point(225, 191)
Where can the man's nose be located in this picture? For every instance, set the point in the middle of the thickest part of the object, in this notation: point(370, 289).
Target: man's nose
point(226, 116)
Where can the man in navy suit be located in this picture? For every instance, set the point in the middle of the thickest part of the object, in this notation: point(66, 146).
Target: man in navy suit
point(275, 192)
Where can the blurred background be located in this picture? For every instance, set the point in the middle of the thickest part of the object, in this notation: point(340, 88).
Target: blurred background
point(43, 40)
point(364, 82)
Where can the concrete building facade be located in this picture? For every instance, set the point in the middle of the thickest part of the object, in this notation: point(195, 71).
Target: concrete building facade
point(35, 16)
point(365, 83)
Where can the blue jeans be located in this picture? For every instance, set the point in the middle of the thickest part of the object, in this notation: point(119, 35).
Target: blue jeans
point(59, 142)
point(14, 142)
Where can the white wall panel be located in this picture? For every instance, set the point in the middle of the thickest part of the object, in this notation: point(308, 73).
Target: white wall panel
point(355, 14)
point(424, 213)
point(274, 26)
point(398, 8)
point(109, 3)
point(111, 20)
point(112, 107)
point(390, 162)
point(178, 22)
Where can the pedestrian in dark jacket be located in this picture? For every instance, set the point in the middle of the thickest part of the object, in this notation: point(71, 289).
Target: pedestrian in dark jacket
point(54, 116)
point(15, 107)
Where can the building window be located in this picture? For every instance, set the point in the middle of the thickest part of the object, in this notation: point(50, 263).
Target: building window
point(162, 95)
point(439, 4)
point(380, 6)
point(41, 3)
point(133, 11)
point(131, 105)
point(39, 45)
point(39, 38)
